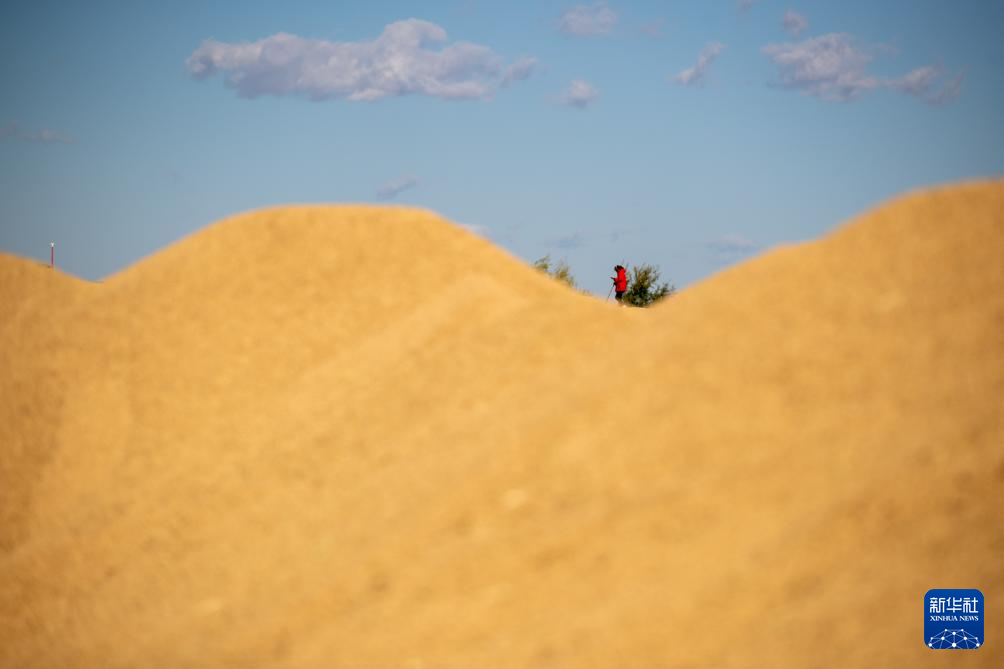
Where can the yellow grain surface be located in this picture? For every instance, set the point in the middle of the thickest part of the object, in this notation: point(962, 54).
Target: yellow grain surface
point(362, 437)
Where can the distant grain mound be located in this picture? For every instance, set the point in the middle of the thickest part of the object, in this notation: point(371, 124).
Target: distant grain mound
point(232, 454)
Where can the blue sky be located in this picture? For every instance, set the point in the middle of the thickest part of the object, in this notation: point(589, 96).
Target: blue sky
point(686, 134)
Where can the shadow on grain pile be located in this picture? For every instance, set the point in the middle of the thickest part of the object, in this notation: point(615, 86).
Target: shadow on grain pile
point(233, 454)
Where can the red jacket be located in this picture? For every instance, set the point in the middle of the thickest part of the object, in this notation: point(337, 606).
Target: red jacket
point(620, 283)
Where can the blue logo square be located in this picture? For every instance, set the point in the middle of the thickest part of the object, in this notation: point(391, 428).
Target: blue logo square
point(953, 619)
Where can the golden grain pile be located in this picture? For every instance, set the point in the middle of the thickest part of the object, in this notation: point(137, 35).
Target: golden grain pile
point(362, 437)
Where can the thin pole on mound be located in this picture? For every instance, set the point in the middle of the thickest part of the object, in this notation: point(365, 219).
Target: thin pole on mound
point(52, 255)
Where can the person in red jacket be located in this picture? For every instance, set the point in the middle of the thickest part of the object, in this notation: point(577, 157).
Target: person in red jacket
point(620, 281)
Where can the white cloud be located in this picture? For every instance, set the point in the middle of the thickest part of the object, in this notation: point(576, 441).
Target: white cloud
point(519, 70)
point(746, 4)
point(593, 20)
point(834, 68)
point(8, 130)
point(794, 23)
point(830, 67)
point(579, 94)
point(694, 76)
point(392, 188)
point(732, 245)
point(398, 62)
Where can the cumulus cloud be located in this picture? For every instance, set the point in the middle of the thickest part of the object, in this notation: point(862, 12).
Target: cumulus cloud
point(732, 245)
point(393, 188)
point(834, 68)
point(401, 61)
point(694, 76)
point(593, 20)
point(794, 23)
point(519, 70)
point(579, 94)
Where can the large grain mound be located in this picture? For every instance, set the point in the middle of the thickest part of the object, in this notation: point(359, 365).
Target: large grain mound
point(36, 303)
point(360, 437)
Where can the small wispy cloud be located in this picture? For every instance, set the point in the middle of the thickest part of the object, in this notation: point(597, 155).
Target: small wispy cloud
point(507, 234)
point(794, 23)
point(744, 5)
point(834, 67)
point(694, 76)
point(618, 233)
point(393, 188)
point(655, 29)
point(518, 71)
point(13, 130)
point(50, 136)
point(479, 230)
point(932, 84)
point(570, 242)
point(594, 20)
point(579, 94)
point(400, 61)
point(732, 245)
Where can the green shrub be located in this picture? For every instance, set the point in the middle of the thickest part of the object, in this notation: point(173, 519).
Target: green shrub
point(644, 288)
point(556, 270)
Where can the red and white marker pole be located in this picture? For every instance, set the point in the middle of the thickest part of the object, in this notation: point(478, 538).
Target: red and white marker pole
point(52, 255)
